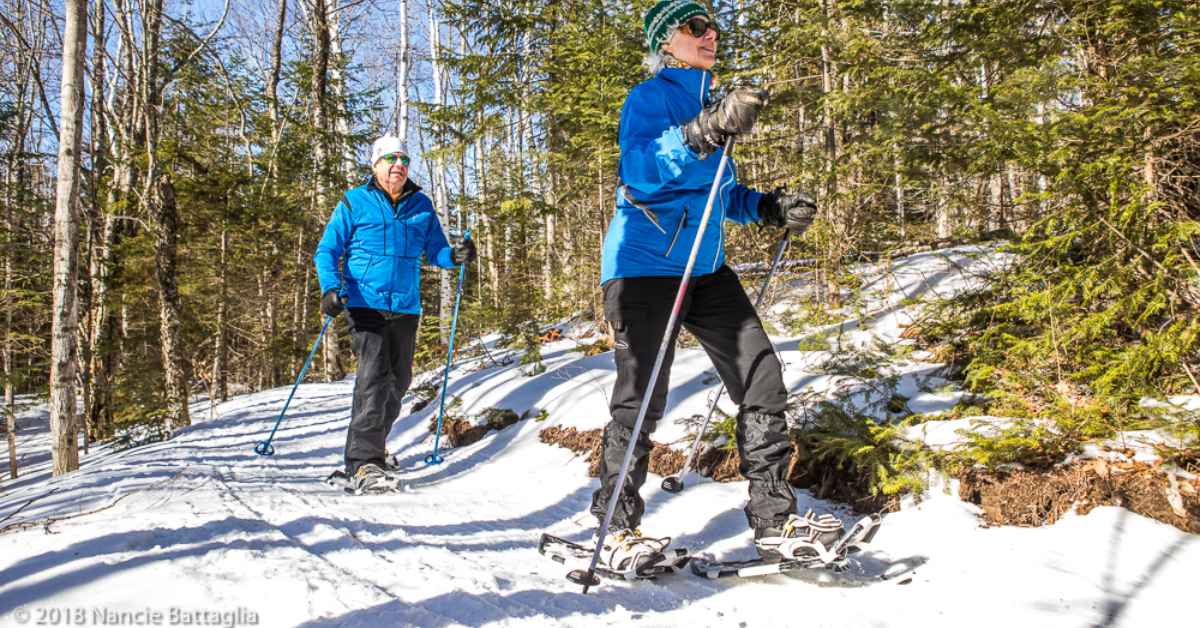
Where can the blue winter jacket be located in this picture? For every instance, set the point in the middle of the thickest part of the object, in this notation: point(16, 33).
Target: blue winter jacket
point(664, 185)
point(382, 244)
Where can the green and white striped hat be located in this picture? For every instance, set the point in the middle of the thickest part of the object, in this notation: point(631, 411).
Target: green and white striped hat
point(666, 15)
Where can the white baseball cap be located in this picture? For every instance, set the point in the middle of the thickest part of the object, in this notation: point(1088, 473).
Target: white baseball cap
point(386, 145)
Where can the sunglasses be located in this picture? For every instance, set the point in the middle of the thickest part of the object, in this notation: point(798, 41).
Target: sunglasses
point(394, 157)
point(697, 26)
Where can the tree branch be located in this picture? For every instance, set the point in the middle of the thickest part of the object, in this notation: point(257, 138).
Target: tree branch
point(170, 75)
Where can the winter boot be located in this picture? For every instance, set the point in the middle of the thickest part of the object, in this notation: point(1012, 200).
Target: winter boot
point(808, 538)
point(627, 551)
point(372, 479)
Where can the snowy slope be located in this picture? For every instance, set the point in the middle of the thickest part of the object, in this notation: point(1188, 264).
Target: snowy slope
point(200, 523)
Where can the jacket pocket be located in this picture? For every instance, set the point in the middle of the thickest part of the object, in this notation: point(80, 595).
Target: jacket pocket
point(646, 211)
point(415, 228)
point(358, 267)
point(678, 229)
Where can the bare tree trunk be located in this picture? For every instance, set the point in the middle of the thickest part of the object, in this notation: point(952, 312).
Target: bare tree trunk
point(402, 77)
point(1149, 167)
point(159, 198)
point(220, 376)
point(273, 82)
point(338, 83)
point(319, 24)
point(122, 124)
point(899, 182)
point(10, 411)
point(63, 424)
point(100, 228)
point(13, 180)
point(438, 168)
point(829, 213)
point(175, 362)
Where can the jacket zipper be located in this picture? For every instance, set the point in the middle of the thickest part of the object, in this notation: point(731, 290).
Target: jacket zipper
point(678, 230)
point(650, 215)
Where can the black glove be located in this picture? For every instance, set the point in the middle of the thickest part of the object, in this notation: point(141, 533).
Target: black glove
point(463, 253)
point(732, 115)
point(794, 211)
point(331, 303)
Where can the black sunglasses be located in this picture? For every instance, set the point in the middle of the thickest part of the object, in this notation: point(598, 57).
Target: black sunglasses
point(697, 26)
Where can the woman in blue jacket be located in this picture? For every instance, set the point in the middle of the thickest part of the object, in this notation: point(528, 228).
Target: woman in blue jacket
point(369, 261)
point(671, 134)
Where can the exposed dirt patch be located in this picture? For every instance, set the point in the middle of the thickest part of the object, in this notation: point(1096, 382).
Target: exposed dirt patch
point(1023, 498)
point(719, 464)
point(461, 432)
point(834, 481)
point(1034, 498)
point(716, 463)
point(596, 348)
point(665, 461)
point(584, 443)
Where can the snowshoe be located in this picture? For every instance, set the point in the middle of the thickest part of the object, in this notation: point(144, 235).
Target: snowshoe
point(626, 555)
point(370, 479)
point(802, 545)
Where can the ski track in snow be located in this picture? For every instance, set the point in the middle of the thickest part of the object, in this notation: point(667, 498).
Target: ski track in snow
point(201, 522)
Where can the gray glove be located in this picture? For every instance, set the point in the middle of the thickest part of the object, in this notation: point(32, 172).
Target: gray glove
point(734, 114)
point(794, 211)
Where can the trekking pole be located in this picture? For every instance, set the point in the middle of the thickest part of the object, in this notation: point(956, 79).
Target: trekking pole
point(264, 448)
point(588, 578)
point(435, 457)
point(674, 483)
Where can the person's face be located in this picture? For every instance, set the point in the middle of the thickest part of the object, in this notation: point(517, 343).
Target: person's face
point(698, 51)
point(392, 170)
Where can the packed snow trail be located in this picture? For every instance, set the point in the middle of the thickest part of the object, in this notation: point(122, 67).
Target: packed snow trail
point(201, 523)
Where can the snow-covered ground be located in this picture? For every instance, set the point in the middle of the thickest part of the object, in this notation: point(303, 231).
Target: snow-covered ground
point(200, 524)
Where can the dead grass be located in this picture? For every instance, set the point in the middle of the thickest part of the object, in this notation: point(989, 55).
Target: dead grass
point(1035, 498)
point(718, 464)
point(461, 432)
point(1022, 498)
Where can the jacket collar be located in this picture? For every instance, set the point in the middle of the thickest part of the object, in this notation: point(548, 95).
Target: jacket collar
point(410, 188)
point(694, 81)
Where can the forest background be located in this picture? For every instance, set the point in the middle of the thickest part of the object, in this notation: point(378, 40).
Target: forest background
point(167, 167)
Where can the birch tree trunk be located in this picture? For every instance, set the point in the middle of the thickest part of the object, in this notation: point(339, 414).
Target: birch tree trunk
point(402, 77)
point(63, 426)
point(10, 411)
point(100, 228)
point(220, 377)
point(438, 174)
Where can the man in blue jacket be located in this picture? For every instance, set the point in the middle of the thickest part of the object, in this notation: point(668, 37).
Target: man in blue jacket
point(369, 262)
point(671, 136)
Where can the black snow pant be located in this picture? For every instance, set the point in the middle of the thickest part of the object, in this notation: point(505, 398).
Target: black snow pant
point(383, 343)
point(718, 313)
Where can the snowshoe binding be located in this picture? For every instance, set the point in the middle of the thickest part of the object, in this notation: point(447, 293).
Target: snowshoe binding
point(370, 479)
point(626, 555)
point(810, 542)
point(800, 538)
